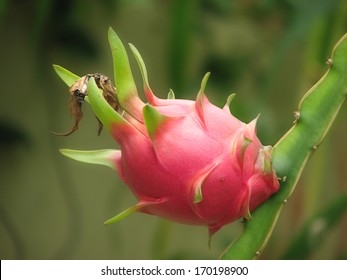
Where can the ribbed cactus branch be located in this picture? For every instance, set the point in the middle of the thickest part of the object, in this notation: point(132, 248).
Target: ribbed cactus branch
point(317, 111)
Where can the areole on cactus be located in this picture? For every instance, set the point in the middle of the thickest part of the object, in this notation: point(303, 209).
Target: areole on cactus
point(187, 161)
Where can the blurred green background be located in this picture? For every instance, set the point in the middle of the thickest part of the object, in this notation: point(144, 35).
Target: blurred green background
point(269, 52)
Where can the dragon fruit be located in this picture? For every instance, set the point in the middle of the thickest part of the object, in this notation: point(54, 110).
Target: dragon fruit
point(186, 161)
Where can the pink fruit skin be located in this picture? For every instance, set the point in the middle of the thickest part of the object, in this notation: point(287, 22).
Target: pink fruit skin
point(199, 164)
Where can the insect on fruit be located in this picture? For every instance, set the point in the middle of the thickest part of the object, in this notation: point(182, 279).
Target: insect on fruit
point(78, 92)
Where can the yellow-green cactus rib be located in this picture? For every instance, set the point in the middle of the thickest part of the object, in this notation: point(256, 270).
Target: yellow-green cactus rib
point(317, 111)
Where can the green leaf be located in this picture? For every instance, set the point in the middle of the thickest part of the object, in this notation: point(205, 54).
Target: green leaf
point(317, 111)
point(315, 230)
point(101, 157)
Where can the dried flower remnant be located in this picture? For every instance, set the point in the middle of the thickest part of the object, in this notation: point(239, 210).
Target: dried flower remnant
point(78, 92)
